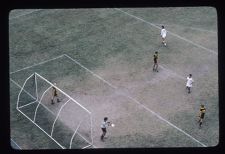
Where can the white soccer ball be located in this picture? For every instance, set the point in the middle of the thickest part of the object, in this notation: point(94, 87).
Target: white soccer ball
point(113, 125)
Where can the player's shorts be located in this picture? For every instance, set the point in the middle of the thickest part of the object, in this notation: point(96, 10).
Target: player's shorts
point(104, 130)
point(155, 61)
point(55, 95)
point(202, 115)
point(164, 36)
point(189, 86)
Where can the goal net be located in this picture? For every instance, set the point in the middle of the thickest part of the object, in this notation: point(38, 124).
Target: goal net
point(59, 116)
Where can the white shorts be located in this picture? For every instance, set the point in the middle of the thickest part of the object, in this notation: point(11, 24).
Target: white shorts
point(189, 86)
point(164, 36)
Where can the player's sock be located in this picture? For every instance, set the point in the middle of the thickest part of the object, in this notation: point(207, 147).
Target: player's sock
point(102, 137)
point(200, 124)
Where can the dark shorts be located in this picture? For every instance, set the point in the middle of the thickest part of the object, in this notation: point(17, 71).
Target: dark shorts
point(55, 95)
point(104, 130)
point(155, 61)
point(202, 115)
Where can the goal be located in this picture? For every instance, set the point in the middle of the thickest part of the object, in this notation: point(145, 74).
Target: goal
point(66, 122)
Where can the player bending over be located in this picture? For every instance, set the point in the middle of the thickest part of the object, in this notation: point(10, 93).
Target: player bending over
point(155, 58)
point(163, 35)
point(189, 83)
point(201, 115)
point(104, 124)
point(54, 94)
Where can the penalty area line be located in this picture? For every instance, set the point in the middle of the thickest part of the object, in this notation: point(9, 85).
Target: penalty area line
point(16, 144)
point(134, 100)
point(37, 64)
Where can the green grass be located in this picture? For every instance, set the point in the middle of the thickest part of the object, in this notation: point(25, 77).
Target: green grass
point(104, 39)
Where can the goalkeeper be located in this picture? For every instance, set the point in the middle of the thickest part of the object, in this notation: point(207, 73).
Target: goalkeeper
point(104, 124)
point(54, 94)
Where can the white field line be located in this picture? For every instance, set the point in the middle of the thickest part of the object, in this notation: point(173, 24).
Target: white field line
point(86, 146)
point(37, 64)
point(24, 14)
point(182, 38)
point(90, 71)
point(169, 123)
point(161, 118)
point(27, 104)
point(86, 140)
point(41, 129)
point(30, 95)
point(16, 144)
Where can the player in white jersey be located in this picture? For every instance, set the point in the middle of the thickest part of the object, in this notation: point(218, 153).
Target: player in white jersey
point(189, 83)
point(163, 35)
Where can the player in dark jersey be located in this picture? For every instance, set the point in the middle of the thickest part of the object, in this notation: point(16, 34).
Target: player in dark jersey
point(104, 125)
point(155, 58)
point(54, 94)
point(201, 115)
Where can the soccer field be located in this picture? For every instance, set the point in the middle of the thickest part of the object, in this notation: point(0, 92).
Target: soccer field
point(103, 59)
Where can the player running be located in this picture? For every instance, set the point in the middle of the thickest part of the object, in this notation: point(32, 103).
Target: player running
point(163, 35)
point(201, 115)
point(104, 124)
point(155, 58)
point(54, 94)
point(189, 83)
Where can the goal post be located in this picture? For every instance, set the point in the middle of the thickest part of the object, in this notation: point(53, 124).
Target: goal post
point(66, 122)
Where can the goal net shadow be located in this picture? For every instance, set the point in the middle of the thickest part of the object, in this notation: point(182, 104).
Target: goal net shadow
point(58, 115)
